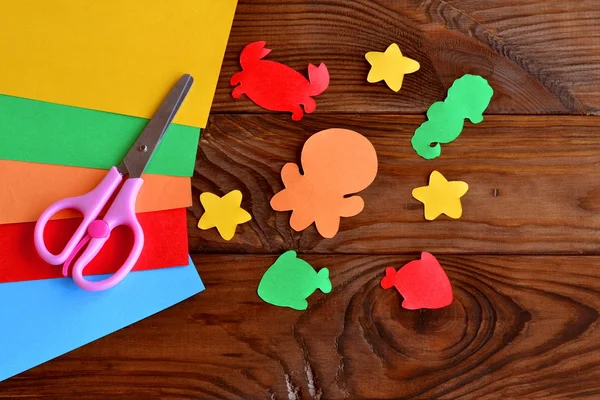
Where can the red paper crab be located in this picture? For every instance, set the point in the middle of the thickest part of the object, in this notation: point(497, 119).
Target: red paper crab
point(276, 86)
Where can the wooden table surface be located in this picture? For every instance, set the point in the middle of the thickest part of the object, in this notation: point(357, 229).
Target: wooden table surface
point(523, 259)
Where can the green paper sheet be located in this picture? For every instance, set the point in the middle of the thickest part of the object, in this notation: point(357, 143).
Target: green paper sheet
point(42, 132)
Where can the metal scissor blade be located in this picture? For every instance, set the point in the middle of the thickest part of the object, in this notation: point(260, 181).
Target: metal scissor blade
point(141, 152)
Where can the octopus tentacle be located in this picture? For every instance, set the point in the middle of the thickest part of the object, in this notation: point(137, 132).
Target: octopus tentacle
point(301, 219)
point(290, 175)
point(351, 206)
point(328, 225)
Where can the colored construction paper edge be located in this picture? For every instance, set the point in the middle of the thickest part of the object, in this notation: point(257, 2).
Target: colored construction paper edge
point(27, 189)
point(423, 283)
point(291, 280)
point(337, 163)
point(224, 213)
point(42, 132)
point(74, 57)
point(275, 86)
point(468, 97)
point(44, 319)
point(166, 244)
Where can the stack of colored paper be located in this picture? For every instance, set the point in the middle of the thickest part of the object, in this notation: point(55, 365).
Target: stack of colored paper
point(78, 83)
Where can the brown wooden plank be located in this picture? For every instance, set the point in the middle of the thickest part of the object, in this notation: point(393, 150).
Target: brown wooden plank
point(541, 57)
point(532, 186)
point(519, 327)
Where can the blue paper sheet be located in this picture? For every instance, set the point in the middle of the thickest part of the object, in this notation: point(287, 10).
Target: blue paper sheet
point(41, 320)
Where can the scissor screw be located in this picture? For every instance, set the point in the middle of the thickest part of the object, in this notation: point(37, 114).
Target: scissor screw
point(143, 148)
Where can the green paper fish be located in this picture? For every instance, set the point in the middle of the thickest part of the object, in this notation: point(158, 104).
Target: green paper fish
point(289, 281)
point(468, 97)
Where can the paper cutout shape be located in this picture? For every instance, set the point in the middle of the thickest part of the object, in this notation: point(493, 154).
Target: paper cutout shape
point(276, 86)
point(224, 213)
point(49, 133)
point(441, 196)
point(166, 244)
point(44, 319)
point(423, 283)
point(74, 57)
point(336, 163)
point(390, 66)
point(468, 97)
point(27, 189)
point(290, 280)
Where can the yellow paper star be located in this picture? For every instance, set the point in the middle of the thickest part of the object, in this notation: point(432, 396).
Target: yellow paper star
point(390, 66)
point(224, 213)
point(441, 196)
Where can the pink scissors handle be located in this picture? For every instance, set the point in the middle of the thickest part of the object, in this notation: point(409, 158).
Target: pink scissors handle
point(121, 212)
point(89, 205)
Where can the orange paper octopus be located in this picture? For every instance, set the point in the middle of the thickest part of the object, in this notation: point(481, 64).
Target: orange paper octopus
point(336, 164)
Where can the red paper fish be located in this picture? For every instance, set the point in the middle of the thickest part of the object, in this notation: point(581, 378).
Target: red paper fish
point(423, 283)
point(276, 86)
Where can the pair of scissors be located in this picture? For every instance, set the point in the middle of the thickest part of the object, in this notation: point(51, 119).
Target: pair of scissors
point(122, 210)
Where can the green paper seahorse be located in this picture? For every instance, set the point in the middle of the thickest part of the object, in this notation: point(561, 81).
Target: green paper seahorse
point(468, 97)
point(289, 281)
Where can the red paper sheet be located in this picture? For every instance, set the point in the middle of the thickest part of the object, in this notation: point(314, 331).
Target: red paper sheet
point(166, 245)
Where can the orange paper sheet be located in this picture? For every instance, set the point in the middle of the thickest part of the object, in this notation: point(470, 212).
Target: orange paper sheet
point(27, 189)
point(120, 56)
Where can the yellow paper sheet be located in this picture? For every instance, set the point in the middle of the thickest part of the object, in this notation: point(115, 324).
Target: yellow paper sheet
point(120, 56)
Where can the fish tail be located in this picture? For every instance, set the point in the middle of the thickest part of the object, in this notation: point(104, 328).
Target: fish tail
point(388, 280)
point(323, 282)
